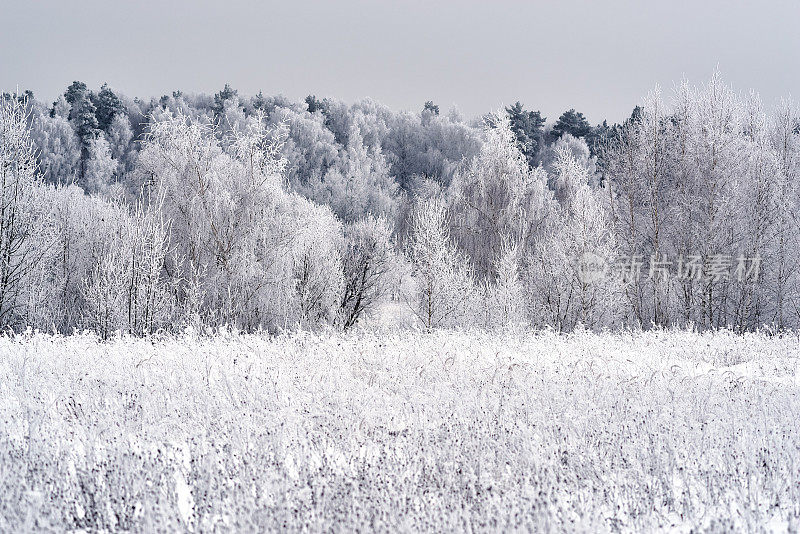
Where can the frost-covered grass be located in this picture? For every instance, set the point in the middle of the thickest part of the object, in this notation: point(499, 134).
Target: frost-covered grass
point(400, 431)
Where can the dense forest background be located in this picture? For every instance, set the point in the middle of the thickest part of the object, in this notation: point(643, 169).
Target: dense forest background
point(260, 212)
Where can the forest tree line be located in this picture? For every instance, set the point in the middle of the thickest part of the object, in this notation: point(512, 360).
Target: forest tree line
point(124, 215)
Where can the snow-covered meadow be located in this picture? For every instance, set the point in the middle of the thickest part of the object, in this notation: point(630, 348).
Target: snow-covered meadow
point(400, 431)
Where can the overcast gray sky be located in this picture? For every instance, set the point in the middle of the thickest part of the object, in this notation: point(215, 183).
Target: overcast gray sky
point(596, 56)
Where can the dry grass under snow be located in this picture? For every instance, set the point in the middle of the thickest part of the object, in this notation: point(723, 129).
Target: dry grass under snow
point(400, 431)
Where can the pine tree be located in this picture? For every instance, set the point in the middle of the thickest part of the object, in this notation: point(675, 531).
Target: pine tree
point(108, 106)
point(313, 104)
point(528, 128)
point(227, 93)
point(571, 122)
point(431, 107)
point(86, 126)
point(75, 92)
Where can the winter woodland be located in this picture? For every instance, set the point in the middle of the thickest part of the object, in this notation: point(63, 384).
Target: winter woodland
point(247, 313)
point(261, 214)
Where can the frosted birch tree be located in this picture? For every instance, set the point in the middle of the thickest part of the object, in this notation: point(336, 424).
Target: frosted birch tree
point(443, 277)
point(21, 211)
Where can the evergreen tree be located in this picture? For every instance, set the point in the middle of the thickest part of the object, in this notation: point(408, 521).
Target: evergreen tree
point(60, 108)
point(84, 121)
point(314, 105)
point(259, 102)
point(227, 93)
point(84, 117)
point(572, 122)
point(108, 105)
point(600, 135)
point(75, 92)
point(431, 107)
point(528, 128)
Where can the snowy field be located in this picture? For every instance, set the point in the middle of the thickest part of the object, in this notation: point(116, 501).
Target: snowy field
point(400, 431)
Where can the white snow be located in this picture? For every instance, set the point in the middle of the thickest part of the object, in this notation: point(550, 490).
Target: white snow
point(401, 430)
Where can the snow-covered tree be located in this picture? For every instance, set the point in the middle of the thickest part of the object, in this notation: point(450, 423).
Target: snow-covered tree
point(248, 253)
point(360, 185)
point(57, 147)
point(108, 107)
point(506, 300)
point(368, 260)
point(561, 292)
point(101, 167)
point(498, 199)
point(119, 138)
point(22, 213)
point(442, 274)
point(785, 140)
